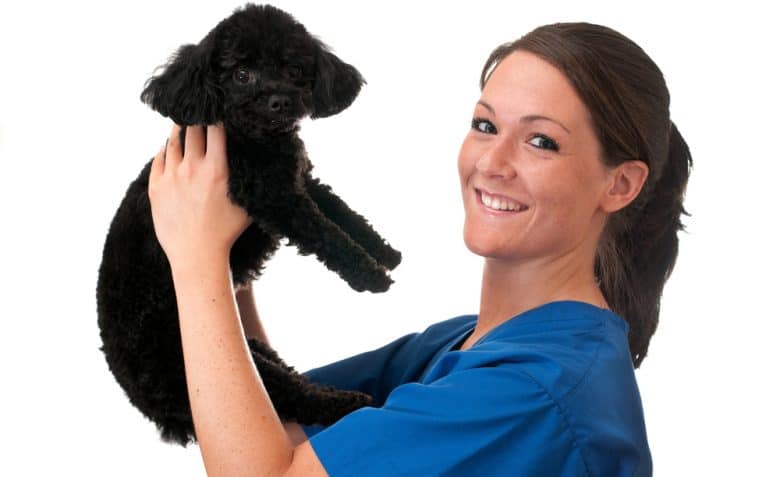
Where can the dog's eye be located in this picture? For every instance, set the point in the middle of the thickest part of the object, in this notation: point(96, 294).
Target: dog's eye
point(243, 76)
point(293, 71)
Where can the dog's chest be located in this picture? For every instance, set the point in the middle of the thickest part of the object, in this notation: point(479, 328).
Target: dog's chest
point(265, 174)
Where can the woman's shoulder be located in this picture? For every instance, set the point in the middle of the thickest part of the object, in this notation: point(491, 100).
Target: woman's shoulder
point(451, 325)
point(560, 345)
point(441, 333)
point(556, 344)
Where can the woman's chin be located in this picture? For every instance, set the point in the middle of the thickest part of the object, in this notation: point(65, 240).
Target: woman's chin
point(484, 246)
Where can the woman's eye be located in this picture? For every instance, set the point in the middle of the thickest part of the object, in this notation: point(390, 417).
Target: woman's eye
point(243, 76)
point(546, 141)
point(483, 125)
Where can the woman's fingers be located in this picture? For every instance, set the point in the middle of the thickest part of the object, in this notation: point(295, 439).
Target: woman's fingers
point(158, 166)
point(195, 142)
point(173, 153)
point(197, 139)
point(216, 136)
point(217, 148)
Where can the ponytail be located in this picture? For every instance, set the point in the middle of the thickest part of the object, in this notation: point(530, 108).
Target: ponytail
point(635, 258)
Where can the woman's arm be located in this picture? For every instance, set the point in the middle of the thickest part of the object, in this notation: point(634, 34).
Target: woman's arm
point(235, 421)
point(253, 327)
point(238, 430)
point(295, 433)
point(250, 320)
point(196, 223)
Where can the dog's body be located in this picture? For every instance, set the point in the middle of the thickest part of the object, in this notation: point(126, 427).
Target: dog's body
point(239, 75)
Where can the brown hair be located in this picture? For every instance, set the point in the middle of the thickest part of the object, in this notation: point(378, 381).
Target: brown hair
point(626, 95)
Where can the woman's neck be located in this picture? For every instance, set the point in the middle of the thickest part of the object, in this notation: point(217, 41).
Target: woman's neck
point(510, 288)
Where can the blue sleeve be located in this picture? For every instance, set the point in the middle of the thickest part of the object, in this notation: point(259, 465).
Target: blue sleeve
point(479, 421)
point(374, 372)
point(369, 372)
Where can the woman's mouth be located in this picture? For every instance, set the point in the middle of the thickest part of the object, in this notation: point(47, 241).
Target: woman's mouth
point(498, 205)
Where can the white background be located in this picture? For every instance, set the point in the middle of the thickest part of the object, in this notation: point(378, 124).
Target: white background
point(73, 134)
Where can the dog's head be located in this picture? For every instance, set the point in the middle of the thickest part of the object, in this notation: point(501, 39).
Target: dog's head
point(258, 71)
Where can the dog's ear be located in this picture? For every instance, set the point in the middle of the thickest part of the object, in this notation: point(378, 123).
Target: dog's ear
point(186, 90)
point(336, 84)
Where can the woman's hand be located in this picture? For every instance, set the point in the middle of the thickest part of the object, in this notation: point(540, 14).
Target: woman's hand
point(192, 213)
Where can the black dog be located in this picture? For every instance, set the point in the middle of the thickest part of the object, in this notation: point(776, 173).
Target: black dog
point(258, 72)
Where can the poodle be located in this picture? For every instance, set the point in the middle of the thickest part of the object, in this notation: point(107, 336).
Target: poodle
point(258, 72)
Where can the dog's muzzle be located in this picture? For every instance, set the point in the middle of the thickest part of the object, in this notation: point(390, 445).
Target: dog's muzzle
point(279, 103)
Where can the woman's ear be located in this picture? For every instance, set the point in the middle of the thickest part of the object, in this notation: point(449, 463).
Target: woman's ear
point(625, 183)
point(186, 91)
point(336, 85)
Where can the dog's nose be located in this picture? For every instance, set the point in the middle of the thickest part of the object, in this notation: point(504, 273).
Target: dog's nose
point(279, 103)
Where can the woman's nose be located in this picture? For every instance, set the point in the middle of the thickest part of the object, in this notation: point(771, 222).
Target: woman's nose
point(497, 160)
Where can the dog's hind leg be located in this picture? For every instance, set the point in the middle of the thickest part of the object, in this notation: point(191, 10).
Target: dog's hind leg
point(295, 397)
point(354, 224)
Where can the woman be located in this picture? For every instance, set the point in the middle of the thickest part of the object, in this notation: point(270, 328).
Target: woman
point(573, 178)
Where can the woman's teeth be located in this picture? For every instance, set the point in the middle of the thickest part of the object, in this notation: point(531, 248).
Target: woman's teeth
point(500, 204)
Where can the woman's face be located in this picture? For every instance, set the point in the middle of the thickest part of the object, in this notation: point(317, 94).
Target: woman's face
point(544, 173)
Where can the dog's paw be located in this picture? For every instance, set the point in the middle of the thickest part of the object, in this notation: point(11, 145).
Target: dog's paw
point(392, 258)
point(376, 280)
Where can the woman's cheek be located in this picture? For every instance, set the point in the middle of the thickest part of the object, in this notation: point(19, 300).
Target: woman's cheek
point(467, 157)
point(553, 214)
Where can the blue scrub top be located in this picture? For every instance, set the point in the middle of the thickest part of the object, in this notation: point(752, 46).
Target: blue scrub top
point(550, 392)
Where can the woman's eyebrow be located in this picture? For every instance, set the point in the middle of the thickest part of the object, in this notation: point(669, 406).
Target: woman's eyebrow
point(527, 118)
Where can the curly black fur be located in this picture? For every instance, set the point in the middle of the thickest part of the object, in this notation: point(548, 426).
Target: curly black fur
point(258, 72)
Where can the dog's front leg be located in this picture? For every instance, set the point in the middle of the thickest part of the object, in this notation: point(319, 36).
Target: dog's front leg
point(354, 224)
point(307, 228)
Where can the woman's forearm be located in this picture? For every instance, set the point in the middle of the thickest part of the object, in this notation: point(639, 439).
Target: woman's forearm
point(247, 309)
point(253, 327)
point(238, 430)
